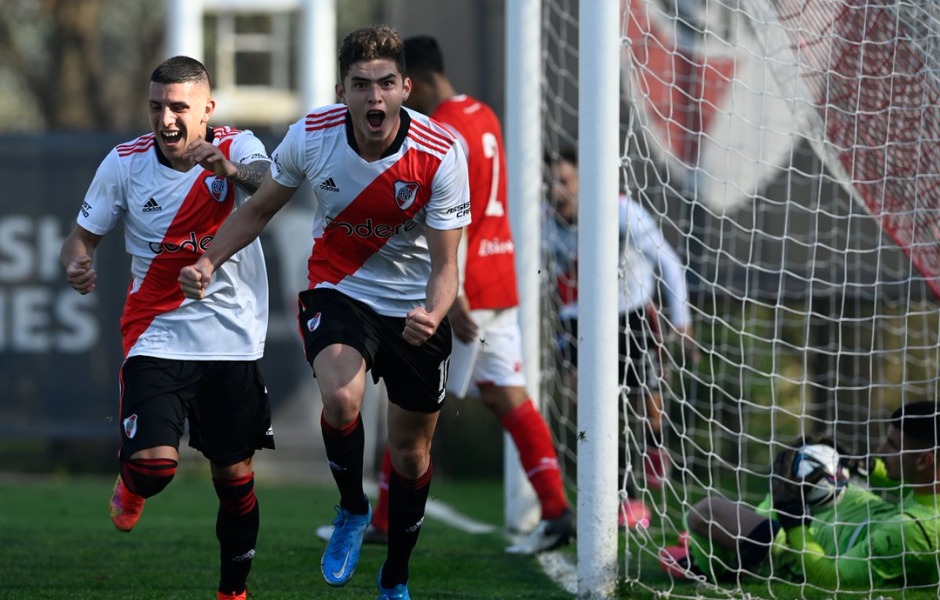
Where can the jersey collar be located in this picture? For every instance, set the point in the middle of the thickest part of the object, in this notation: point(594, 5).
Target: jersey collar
point(396, 143)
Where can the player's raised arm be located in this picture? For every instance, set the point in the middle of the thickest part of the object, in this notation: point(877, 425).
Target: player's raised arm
point(238, 230)
point(210, 157)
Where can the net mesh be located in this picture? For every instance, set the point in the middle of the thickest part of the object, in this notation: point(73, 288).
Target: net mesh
point(787, 150)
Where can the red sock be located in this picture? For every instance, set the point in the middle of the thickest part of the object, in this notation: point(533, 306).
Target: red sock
point(380, 512)
point(537, 454)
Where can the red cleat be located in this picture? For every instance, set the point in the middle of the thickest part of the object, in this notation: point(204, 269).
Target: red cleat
point(634, 513)
point(677, 560)
point(233, 595)
point(126, 506)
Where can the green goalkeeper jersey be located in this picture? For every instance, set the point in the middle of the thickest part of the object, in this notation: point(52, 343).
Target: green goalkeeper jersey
point(866, 541)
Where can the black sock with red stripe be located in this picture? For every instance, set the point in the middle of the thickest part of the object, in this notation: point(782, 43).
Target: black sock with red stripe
point(407, 499)
point(236, 527)
point(344, 450)
point(147, 477)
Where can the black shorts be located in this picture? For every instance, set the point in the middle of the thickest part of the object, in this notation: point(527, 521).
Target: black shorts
point(415, 376)
point(226, 403)
point(639, 347)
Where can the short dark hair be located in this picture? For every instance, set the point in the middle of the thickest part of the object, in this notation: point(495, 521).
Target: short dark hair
point(564, 153)
point(370, 43)
point(423, 56)
point(919, 422)
point(180, 69)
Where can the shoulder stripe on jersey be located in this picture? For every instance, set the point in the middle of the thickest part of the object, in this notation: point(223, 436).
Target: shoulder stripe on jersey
point(326, 125)
point(315, 118)
point(225, 132)
point(428, 144)
point(327, 111)
point(141, 144)
point(436, 130)
point(431, 139)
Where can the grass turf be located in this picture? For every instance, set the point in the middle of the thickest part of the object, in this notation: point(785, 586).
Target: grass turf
point(56, 542)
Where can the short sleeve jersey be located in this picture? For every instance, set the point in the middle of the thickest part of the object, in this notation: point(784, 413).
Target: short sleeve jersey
point(490, 272)
point(170, 218)
point(371, 218)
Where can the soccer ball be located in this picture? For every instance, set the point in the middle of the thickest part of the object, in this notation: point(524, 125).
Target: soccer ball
point(823, 476)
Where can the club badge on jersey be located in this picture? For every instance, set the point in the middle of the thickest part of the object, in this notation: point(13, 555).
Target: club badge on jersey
point(218, 187)
point(405, 193)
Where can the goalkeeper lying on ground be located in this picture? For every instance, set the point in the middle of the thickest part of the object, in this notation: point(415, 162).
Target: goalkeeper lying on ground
point(860, 540)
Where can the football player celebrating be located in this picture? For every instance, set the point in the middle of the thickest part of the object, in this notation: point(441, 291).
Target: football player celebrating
point(391, 201)
point(183, 359)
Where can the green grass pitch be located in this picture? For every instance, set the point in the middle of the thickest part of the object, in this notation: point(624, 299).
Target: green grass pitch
point(57, 542)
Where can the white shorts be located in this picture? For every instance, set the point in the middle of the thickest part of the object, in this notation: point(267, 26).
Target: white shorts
point(495, 358)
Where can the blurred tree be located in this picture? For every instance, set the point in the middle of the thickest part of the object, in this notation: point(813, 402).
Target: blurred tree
point(81, 65)
point(77, 64)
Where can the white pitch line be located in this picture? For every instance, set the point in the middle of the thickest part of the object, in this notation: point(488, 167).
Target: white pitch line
point(446, 514)
point(560, 570)
point(440, 511)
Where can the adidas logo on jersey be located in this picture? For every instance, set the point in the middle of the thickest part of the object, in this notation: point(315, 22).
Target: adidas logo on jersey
point(329, 185)
point(152, 206)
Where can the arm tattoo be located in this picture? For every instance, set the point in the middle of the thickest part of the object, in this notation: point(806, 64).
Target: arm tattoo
point(250, 176)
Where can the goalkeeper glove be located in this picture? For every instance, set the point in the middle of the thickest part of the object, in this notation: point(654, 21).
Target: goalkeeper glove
point(787, 490)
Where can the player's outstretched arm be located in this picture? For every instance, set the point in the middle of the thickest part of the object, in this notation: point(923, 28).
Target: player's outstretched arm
point(238, 230)
point(76, 255)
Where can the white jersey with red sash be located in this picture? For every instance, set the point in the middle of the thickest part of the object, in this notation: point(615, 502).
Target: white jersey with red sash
point(170, 217)
point(371, 217)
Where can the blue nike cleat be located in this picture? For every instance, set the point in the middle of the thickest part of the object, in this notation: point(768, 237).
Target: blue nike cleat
point(399, 592)
point(342, 551)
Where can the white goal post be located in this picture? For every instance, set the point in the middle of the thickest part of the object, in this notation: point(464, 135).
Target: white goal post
point(789, 151)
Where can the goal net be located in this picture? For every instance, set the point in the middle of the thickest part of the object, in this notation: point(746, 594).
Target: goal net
point(789, 152)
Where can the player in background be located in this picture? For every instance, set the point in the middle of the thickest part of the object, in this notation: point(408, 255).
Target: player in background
point(184, 360)
point(862, 540)
point(391, 202)
point(644, 252)
point(487, 355)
